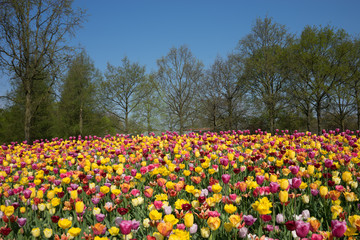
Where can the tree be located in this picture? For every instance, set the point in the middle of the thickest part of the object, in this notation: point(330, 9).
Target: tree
point(43, 118)
point(79, 111)
point(320, 66)
point(222, 92)
point(123, 90)
point(265, 69)
point(178, 74)
point(149, 112)
point(354, 81)
point(32, 40)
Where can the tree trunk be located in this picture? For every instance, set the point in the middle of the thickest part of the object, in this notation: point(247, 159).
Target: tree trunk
point(148, 119)
point(308, 118)
point(230, 110)
point(126, 122)
point(81, 119)
point(318, 116)
point(358, 115)
point(28, 113)
point(214, 118)
point(272, 119)
point(181, 123)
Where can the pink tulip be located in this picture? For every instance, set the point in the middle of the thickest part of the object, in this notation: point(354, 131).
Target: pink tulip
point(316, 237)
point(274, 187)
point(125, 227)
point(260, 179)
point(158, 204)
point(296, 182)
point(302, 228)
point(338, 228)
point(225, 178)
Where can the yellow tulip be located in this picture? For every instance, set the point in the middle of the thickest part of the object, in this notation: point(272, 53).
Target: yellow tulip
point(284, 196)
point(64, 223)
point(79, 207)
point(323, 191)
point(214, 223)
point(189, 219)
point(74, 231)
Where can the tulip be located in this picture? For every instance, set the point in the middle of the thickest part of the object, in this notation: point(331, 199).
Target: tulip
point(100, 217)
point(260, 179)
point(74, 231)
point(64, 223)
point(338, 228)
point(21, 222)
point(205, 232)
point(193, 229)
point(27, 193)
point(302, 228)
point(125, 227)
point(274, 187)
point(135, 225)
point(167, 210)
point(214, 223)
point(284, 196)
point(79, 207)
point(189, 219)
point(280, 218)
point(323, 191)
point(35, 232)
point(249, 220)
point(226, 178)
point(284, 184)
point(165, 228)
point(114, 231)
point(296, 182)
point(243, 232)
point(48, 232)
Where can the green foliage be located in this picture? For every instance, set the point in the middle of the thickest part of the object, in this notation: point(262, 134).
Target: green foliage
point(79, 112)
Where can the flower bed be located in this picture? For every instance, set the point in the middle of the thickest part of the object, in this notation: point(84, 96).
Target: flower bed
point(220, 186)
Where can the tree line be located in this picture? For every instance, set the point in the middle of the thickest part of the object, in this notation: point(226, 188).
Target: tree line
point(272, 79)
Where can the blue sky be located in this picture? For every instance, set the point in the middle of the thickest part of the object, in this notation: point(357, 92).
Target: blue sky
point(145, 30)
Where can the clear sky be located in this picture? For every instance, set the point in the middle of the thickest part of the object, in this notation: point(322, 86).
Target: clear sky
point(145, 30)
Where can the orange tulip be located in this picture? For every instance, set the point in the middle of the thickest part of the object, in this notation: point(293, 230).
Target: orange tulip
point(165, 228)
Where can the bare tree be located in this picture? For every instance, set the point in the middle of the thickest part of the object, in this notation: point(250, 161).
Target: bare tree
point(264, 49)
point(178, 75)
point(124, 89)
point(32, 40)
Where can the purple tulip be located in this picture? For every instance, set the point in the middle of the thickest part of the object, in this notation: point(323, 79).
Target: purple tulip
point(328, 163)
point(260, 179)
point(274, 187)
point(314, 192)
point(294, 169)
point(95, 200)
point(269, 228)
point(338, 228)
point(296, 182)
point(226, 178)
point(302, 228)
point(249, 220)
point(27, 193)
point(100, 217)
point(21, 222)
point(125, 227)
point(135, 224)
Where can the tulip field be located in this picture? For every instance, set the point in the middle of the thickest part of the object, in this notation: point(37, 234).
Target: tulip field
point(227, 185)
